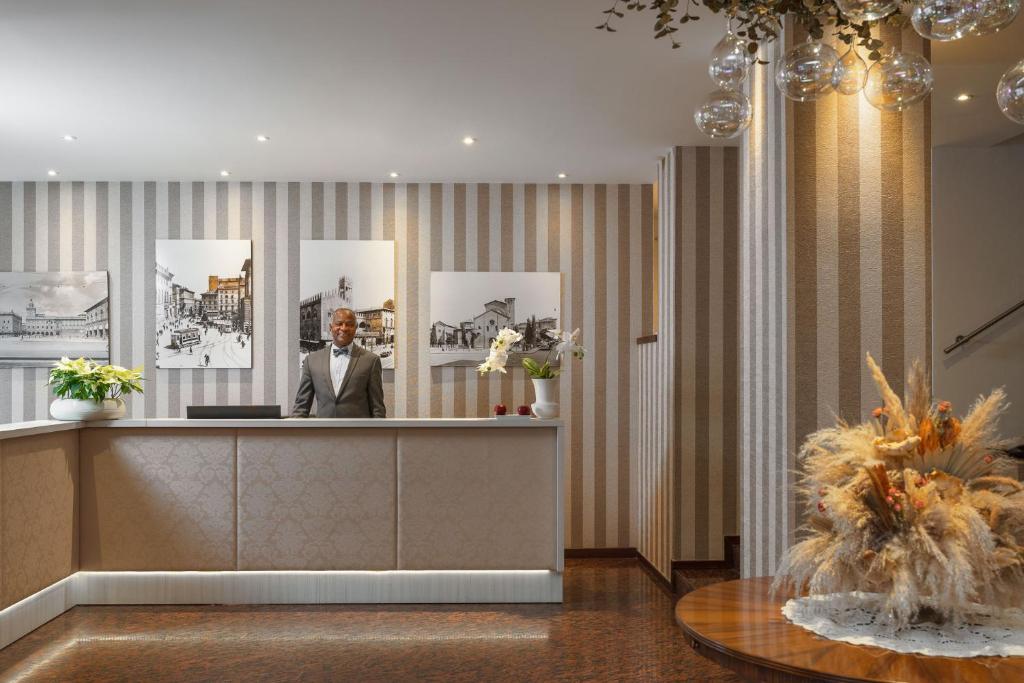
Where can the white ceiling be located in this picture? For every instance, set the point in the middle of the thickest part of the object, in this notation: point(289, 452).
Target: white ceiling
point(974, 65)
point(353, 89)
point(347, 90)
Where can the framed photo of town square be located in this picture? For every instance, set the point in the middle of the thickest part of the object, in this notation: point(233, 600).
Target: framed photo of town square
point(355, 274)
point(44, 316)
point(468, 309)
point(204, 304)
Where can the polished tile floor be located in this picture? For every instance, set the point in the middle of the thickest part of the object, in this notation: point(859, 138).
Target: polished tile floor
point(616, 624)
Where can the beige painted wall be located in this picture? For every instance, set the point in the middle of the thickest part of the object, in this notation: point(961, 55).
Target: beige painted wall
point(978, 257)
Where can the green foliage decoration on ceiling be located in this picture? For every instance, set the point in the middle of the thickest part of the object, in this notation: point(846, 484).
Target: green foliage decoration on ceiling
point(757, 21)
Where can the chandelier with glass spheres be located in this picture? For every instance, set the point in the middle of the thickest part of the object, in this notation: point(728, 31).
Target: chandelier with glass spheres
point(890, 79)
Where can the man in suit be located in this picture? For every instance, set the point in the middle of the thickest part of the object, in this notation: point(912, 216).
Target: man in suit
point(345, 379)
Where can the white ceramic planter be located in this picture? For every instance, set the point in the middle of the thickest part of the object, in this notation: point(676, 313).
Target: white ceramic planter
point(75, 409)
point(545, 406)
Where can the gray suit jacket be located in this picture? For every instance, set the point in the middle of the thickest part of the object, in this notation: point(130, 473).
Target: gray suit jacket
point(361, 393)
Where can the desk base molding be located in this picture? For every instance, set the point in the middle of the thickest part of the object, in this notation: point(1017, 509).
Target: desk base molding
point(316, 587)
point(276, 588)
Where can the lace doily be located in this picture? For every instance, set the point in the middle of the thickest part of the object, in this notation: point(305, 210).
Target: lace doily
point(857, 618)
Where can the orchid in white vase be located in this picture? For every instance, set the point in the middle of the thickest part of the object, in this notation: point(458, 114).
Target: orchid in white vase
point(545, 377)
point(566, 343)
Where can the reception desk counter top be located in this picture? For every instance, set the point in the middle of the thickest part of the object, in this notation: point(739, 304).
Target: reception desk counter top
point(19, 429)
point(174, 511)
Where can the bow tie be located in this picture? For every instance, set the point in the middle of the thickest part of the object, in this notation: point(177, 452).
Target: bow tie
point(343, 351)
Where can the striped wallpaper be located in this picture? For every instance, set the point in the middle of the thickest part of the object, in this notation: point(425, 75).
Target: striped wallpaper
point(860, 214)
point(765, 424)
point(593, 234)
point(691, 371)
point(851, 273)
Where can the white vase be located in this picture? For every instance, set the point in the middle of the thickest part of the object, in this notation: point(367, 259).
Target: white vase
point(545, 407)
point(77, 409)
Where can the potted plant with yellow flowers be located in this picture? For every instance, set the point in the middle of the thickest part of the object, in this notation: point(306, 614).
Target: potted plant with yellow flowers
point(87, 390)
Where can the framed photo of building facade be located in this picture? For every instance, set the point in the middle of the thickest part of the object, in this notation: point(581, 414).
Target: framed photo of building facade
point(204, 304)
point(468, 309)
point(44, 316)
point(356, 274)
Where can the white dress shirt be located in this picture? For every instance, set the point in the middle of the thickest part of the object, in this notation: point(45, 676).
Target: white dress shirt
point(339, 364)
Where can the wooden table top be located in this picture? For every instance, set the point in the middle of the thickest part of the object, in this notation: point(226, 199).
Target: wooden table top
point(737, 624)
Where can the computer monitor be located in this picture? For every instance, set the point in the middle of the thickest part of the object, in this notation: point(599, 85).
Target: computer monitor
point(233, 412)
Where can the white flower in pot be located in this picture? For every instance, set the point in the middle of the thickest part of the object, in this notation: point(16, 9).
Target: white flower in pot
point(544, 377)
point(88, 391)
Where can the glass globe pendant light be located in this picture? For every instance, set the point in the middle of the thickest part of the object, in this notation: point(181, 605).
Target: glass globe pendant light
point(943, 20)
point(1010, 93)
point(898, 80)
point(850, 73)
point(805, 71)
point(725, 114)
point(730, 60)
point(994, 15)
point(860, 11)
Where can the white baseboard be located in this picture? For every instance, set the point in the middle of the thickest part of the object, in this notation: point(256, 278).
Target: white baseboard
point(276, 587)
point(32, 612)
point(316, 587)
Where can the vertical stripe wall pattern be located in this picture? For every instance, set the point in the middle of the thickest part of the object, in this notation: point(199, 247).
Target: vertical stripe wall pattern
point(765, 423)
point(860, 221)
point(654, 461)
point(595, 235)
point(692, 458)
point(848, 273)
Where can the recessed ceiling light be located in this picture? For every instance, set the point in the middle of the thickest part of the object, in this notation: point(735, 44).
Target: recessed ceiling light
point(70, 138)
point(51, 173)
point(393, 174)
point(563, 176)
point(964, 97)
point(468, 140)
point(262, 138)
point(225, 174)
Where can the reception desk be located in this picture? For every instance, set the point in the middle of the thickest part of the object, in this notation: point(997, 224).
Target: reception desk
point(170, 511)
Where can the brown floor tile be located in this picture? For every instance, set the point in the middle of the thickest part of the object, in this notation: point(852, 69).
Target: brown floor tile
point(615, 625)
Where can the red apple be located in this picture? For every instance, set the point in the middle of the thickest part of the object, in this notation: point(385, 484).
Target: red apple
point(500, 409)
point(523, 410)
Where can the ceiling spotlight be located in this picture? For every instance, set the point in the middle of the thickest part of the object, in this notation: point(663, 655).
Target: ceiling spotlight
point(51, 173)
point(393, 174)
point(262, 138)
point(225, 174)
point(964, 97)
point(467, 141)
point(70, 138)
point(563, 176)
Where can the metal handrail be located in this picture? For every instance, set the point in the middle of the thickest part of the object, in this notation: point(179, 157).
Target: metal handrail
point(963, 339)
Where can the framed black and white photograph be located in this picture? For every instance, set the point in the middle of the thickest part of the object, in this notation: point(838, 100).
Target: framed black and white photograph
point(468, 309)
point(45, 316)
point(355, 274)
point(204, 304)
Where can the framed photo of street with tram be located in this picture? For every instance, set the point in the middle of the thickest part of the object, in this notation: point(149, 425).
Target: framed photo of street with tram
point(204, 304)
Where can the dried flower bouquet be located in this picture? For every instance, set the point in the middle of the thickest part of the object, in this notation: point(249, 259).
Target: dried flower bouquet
point(914, 505)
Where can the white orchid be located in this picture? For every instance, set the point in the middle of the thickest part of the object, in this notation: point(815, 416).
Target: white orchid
point(567, 343)
point(498, 358)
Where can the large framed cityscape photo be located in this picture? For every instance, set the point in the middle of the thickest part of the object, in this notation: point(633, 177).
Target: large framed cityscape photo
point(355, 274)
point(44, 316)
point(204, 304)
point(468, 309)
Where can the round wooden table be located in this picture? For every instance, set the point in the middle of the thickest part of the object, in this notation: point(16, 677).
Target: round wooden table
point(738, 625)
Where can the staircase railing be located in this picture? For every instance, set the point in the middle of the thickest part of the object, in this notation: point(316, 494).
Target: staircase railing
point(964, 338)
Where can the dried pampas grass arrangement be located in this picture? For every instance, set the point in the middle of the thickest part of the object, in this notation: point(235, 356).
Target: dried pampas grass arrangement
point(914, 505)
